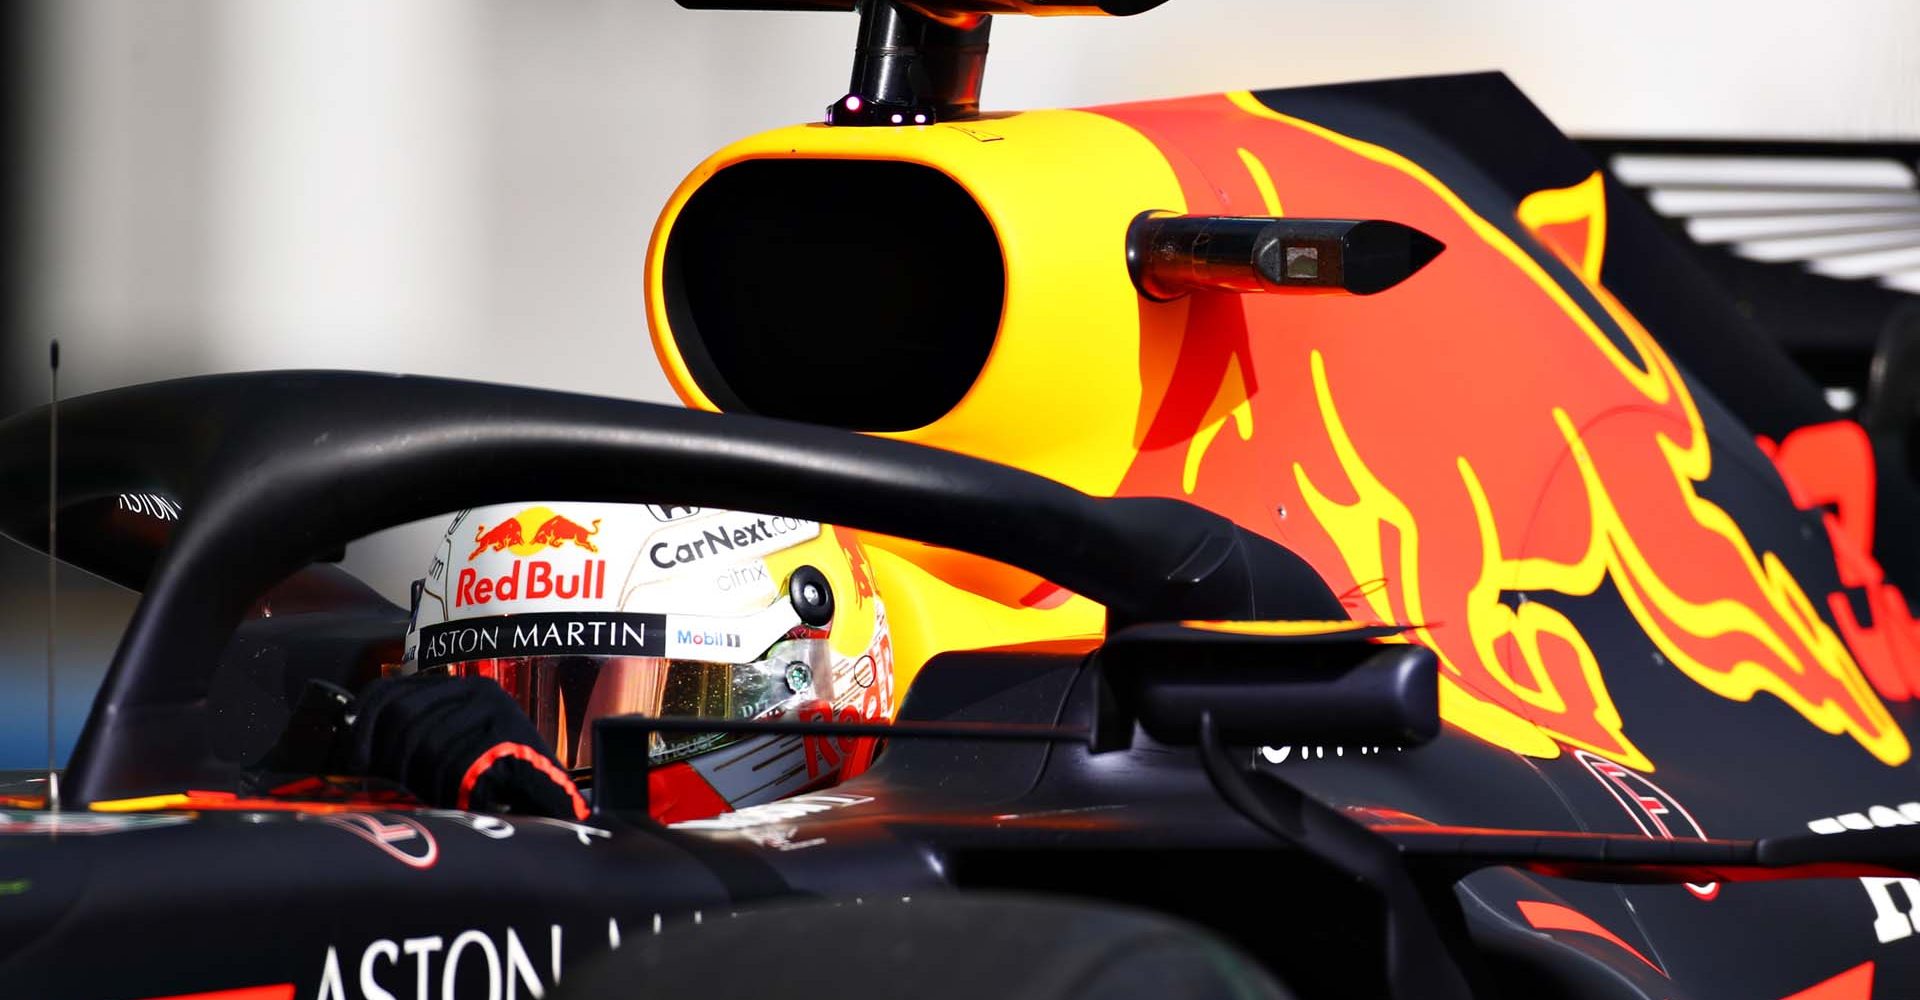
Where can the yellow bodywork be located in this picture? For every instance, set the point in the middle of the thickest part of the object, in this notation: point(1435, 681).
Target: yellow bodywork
point(1060, 189)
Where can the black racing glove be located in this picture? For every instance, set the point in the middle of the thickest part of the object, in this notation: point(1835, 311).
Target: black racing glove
point(458, 743)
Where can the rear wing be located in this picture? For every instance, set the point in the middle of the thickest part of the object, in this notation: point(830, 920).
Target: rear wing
point(1817, 242)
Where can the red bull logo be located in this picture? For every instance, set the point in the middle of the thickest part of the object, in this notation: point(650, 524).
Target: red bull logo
point(532, 580)
point(1474, 452)
point(533, 530)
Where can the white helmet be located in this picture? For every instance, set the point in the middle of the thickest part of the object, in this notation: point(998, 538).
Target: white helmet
point(585, 610)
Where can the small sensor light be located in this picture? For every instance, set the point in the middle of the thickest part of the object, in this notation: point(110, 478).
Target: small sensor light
point(1171, 255)
point(897, 119)
point(919, 119)
point(1303, 262)
point(853, 102)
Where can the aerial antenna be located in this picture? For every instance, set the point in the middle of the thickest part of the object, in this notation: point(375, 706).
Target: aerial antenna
point(911, 69)
point(53, 562)
point(919, 62)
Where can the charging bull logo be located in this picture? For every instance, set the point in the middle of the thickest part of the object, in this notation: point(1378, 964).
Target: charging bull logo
point(1494, 452)
point(533, 530)
point(1475, 452)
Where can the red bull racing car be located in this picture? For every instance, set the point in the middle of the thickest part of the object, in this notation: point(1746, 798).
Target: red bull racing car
point(1334, 542)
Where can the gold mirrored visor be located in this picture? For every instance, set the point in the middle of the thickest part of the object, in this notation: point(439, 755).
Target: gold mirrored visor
point(563, 695)
point(566, 670)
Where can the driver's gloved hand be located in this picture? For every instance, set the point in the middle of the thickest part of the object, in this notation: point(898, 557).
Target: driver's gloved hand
point(458, 743)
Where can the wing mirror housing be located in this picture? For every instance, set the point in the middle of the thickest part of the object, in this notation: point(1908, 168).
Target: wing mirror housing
point(1173, 255)
point(1265, 683)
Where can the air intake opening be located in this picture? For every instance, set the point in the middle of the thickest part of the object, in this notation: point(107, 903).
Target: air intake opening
point(856, 293)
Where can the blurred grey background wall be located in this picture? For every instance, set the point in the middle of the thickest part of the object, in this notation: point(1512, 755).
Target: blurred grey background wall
point(465, 187)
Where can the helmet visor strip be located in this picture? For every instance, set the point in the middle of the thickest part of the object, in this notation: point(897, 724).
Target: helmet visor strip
point(761, 665)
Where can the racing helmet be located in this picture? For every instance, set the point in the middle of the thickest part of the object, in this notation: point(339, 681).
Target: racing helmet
point(585, 610)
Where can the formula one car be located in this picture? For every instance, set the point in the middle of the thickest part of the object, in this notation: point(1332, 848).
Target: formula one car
point(1343, 544)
